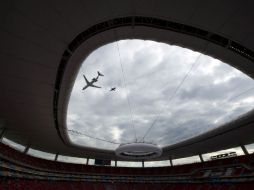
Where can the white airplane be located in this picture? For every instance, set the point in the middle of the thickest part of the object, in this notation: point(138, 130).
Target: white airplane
point(94, 80)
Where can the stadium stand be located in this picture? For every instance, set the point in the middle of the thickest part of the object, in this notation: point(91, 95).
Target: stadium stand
point(21, 171)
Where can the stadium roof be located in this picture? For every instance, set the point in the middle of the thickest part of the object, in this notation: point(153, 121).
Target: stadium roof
point(43, 44)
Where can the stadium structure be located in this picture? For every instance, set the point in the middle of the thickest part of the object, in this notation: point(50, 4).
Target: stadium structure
point(43, 44)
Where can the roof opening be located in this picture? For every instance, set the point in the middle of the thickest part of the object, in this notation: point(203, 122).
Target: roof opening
point(136, 91)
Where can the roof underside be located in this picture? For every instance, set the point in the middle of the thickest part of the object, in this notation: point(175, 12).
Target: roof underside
point(41, 53)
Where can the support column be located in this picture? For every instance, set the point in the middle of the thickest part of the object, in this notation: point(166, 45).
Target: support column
point(201, 157)
point(171, 162)
point(87, 161)
point(143, 164)
point(56, 156)
point(2, 134)
point(115, 163)
point(26, 149)
point(245, 151)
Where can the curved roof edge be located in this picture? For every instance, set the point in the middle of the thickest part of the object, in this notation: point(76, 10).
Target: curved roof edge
point(146, 28)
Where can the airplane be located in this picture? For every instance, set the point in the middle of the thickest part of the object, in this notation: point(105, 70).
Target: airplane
point(113, 89)
point(94, 80)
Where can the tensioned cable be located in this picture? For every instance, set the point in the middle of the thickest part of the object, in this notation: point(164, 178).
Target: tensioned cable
point(124, 85)
point(89, 136)
point(242, 93)
point(223, 102)
point(124, 80)
point(174, 93)
point(96, 138)
point(235, 97)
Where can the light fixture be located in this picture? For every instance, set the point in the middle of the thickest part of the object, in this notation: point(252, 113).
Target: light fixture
point(138, 151)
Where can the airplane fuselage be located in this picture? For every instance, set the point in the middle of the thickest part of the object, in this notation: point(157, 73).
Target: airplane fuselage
point(94, 80)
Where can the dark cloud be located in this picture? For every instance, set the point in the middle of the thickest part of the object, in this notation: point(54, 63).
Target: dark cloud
point(212, 94)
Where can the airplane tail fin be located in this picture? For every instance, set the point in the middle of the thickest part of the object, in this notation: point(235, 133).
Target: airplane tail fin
point(99, 74)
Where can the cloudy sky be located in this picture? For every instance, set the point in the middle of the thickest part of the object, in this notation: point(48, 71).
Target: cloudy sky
point(211, 94)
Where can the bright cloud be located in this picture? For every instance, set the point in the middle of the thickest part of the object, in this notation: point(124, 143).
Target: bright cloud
point(212, 94)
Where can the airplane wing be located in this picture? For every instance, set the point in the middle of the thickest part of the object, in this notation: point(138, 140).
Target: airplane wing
point(95, 86)
point(87, 82)
point(85, 87)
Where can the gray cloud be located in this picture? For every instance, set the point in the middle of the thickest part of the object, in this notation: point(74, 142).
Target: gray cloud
point(210, 96)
